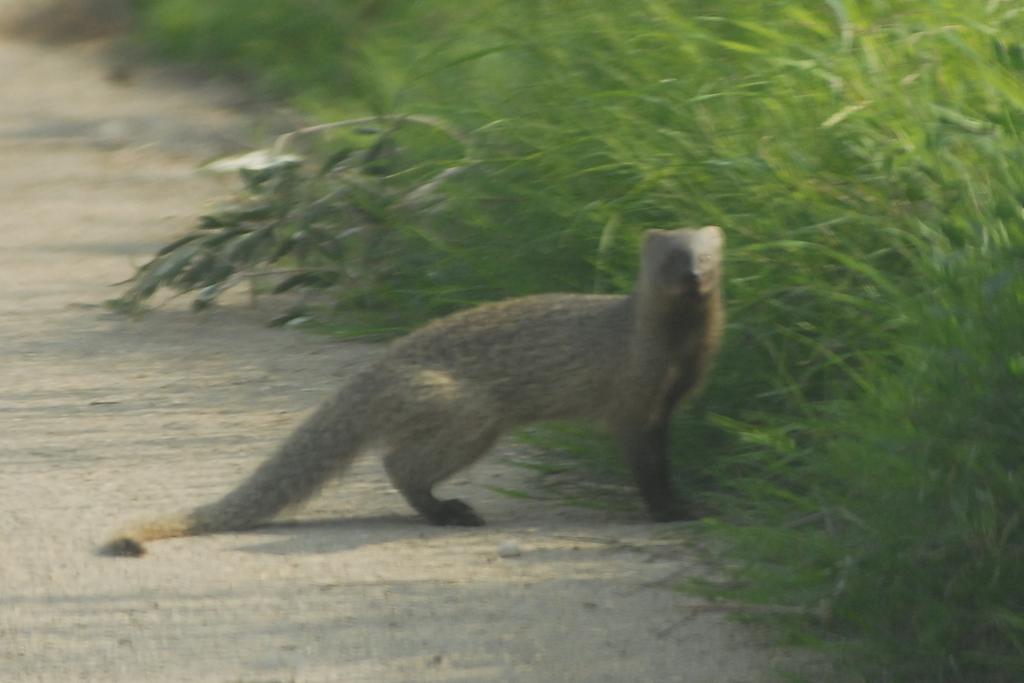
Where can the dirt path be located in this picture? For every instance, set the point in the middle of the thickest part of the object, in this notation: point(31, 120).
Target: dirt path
point(104, 420)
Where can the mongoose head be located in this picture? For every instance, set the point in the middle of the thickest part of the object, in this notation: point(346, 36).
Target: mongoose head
point(684, 263)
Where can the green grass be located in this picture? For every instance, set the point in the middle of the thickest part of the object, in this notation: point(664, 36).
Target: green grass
point(902, 515)
point(860, 439)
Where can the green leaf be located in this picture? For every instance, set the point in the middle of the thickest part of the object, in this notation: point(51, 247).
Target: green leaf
point(179, 242)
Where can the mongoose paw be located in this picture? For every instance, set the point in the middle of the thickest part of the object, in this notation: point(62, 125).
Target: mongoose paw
point(674, 512)
point(456, 513)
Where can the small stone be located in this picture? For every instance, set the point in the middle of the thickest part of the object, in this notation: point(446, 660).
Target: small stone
point(509, 548)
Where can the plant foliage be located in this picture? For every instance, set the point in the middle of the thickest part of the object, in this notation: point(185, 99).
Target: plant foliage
point(329, 216)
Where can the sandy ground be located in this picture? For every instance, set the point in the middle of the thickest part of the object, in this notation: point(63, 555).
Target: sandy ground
point(105, 420)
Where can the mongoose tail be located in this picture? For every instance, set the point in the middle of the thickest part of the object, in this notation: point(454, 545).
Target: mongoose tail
point(294, 473)
point(130, 543)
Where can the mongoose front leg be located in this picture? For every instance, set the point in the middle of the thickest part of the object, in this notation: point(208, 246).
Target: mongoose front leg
point(647, 452)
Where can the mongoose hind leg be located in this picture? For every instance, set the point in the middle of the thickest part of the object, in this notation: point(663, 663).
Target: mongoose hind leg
point(414, 469)
point(448, 512)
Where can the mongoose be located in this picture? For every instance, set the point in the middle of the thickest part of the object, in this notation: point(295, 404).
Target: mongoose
point(437, 399)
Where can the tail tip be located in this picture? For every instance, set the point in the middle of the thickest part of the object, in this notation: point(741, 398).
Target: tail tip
point(122, 547)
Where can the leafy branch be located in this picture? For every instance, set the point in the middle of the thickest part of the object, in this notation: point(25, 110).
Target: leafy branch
point(322, 214)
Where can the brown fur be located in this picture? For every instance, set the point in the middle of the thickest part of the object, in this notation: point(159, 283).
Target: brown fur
point(437, 400)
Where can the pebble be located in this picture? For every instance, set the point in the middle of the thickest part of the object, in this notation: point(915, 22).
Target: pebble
point(509, 548)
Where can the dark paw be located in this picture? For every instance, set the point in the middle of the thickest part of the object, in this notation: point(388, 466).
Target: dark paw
point(674, 512)
point(456, 513)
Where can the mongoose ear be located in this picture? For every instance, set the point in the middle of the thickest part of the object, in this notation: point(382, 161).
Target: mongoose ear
point(654, 234)
point(715, 234)
point(656, 244)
